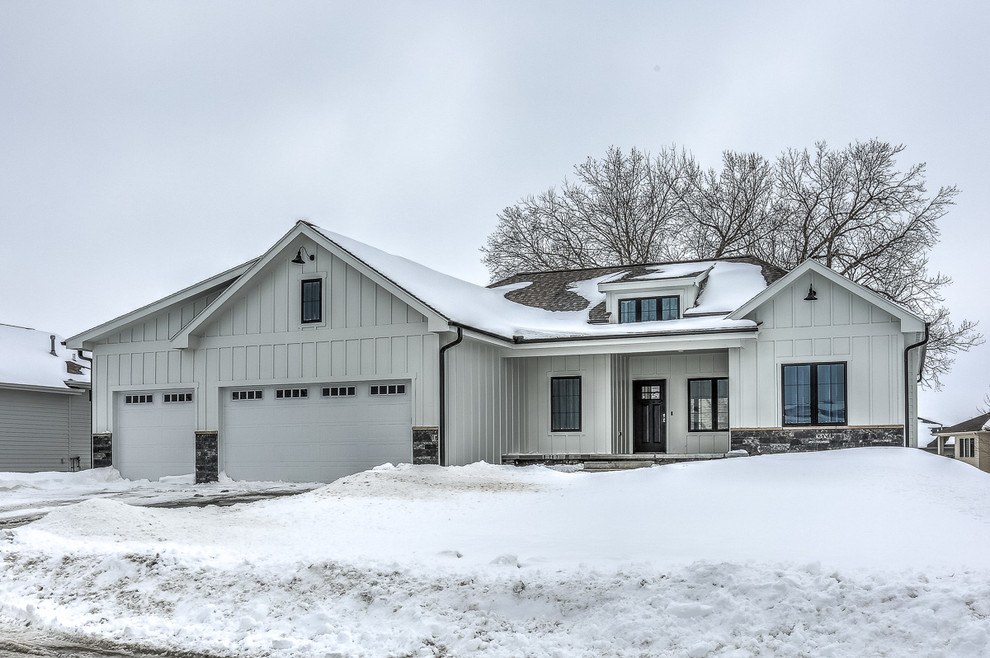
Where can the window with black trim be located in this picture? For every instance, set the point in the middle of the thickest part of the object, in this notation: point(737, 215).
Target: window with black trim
point(389, 389)
point(312, 300)
point(708, 405)
point(649, 309)
point(814, 394)
point(246, 395)
point(285, 393)
point(565, 404)
point(338, 391)
point(177, 397)
point(139, 399)
point(967, 448)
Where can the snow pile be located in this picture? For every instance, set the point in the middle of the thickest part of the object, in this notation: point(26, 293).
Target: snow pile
point(858, 552)
point(488, 309)
point(26, 359)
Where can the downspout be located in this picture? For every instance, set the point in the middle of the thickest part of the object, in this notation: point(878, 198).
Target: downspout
point(907, 384)
point(442, 433)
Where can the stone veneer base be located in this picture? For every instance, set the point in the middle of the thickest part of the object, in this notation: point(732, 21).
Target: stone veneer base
point(102, 450)
point(805, 439)
point(426, 445)
point(207, 457)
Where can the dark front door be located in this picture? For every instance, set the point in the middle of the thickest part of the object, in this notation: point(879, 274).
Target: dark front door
point(649, 416)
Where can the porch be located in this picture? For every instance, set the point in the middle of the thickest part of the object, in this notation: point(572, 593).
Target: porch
point(602, 462)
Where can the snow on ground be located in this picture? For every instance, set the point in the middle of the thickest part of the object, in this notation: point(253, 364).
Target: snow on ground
point(872, 551)
point(27, 496)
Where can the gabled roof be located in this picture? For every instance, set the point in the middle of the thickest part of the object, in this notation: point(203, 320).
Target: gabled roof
point(975, 424)
point(27, 362)
point(909, 321)
point(83, 340)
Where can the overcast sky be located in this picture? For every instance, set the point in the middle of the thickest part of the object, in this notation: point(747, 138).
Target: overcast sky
point(145, 146)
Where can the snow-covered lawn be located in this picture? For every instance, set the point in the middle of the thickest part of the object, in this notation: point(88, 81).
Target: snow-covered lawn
point(873, 551)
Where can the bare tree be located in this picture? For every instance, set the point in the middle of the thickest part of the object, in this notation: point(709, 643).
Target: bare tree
point(621, 209)
point(852, 209)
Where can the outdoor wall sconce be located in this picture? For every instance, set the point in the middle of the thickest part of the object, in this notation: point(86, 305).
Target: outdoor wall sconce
point(298, 260)
point(812, 296)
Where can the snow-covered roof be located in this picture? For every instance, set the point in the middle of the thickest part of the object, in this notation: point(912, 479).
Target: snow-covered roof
point(26, 361)
point(549, 305)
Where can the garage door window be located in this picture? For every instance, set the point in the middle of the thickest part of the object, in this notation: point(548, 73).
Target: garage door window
point(390, 389)
point(139, 399)
point(338, 391)
point(285, 393)
point(245, 395)
point(177, 397)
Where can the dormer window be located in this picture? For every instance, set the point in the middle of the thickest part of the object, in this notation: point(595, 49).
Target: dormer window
point(649, 309)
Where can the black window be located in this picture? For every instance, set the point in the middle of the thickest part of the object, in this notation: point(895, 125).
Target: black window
point(312, 300)
point(565, 404)
point(708, 405)
point(649, 309)
point(814, 394)
point(967, 448)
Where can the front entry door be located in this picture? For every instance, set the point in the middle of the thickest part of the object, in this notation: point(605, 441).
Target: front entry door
point(649, 416)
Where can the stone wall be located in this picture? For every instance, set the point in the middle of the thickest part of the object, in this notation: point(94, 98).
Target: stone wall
point(809, 439)
point(102, 450)
point(207, 457)
point(426, 445)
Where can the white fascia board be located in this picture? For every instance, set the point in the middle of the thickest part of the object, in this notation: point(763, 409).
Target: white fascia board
point(85, 340)
point(186, 338)
point(909, 321)
point(638, 345)
point(636, 285)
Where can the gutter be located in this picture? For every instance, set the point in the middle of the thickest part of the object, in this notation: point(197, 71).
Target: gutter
point(907, 381)
point(442, 425)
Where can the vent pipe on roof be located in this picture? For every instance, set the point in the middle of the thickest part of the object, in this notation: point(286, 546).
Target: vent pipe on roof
point(53, 352)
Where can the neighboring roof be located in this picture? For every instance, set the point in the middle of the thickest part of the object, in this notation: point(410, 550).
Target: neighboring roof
point(26, 361)
point(975, 424)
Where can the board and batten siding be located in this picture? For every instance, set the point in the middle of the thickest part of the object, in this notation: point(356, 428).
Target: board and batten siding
point(257, 338)
point(837, 327)
point(486, 403)
point(43, 431)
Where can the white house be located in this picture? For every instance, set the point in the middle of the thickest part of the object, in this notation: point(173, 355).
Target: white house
point(326, 356)
point(44, 403)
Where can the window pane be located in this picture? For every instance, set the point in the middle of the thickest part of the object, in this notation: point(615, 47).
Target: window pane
point(312, 306)
point(648, 310)
point(627, 310)
point(565, 404)
point(669, 308)
point(831, 393)
point(700, 404)
point(722, 412)
point(797, 395)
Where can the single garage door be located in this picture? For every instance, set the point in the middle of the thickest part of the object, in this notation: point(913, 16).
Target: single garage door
point(314, 433)
point(155, 434)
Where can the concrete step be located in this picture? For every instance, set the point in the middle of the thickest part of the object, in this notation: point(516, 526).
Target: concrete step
point(619, 465)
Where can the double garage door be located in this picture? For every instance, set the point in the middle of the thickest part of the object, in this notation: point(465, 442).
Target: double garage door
point(314, 433)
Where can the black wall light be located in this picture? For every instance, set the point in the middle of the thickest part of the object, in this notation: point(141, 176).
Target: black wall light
point(812, 296)
point(298, 260)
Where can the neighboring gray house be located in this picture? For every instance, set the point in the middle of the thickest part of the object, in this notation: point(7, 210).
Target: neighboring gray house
point(44, 403)
point(326, 356)
point(968, 441)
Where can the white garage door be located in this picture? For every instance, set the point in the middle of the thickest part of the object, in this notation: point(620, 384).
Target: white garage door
point(315, 433)
point(155, 434)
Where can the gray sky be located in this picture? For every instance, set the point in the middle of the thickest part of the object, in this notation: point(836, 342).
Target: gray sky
point(145, 146)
